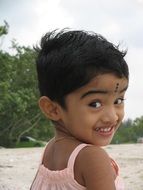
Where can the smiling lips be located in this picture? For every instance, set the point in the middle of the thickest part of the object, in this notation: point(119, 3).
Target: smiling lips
point(104, 130)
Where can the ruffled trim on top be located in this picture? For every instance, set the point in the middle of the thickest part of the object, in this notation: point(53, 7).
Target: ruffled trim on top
point(57, 175)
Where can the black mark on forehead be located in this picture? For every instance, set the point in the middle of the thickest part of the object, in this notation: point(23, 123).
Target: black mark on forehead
point(116, 87)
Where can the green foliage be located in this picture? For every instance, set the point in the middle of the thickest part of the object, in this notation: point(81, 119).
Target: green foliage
point(19, 111)
point(129, 131)
point(4, 29)
point(29, 144)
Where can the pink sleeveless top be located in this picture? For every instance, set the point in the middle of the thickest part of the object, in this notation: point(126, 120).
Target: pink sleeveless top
point(64, 179)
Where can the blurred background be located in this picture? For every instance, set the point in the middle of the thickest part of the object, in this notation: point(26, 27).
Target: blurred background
point(22, 24)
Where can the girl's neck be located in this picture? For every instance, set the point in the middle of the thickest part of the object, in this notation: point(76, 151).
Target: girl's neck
point(57, 139)
point(62, 132)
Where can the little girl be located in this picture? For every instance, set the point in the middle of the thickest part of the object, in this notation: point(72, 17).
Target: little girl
point(82, 79)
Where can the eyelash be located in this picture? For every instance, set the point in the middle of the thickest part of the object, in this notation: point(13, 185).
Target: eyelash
point(94, 104)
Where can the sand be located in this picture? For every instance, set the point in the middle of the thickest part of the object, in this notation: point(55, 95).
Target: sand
point(18, 166)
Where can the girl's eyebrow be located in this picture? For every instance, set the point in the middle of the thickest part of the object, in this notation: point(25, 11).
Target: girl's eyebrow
point(90, 92)
point(93, 92)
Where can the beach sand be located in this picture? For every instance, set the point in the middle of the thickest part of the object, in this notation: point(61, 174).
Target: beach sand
point(18, 166)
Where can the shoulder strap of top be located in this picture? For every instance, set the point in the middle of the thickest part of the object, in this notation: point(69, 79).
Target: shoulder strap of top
point(115, 166)
point(43, 154)
point(74, 154)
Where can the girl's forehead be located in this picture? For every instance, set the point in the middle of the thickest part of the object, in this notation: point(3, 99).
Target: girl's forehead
point(106, 83)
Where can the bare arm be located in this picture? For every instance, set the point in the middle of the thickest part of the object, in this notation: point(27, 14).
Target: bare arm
point(96, 169)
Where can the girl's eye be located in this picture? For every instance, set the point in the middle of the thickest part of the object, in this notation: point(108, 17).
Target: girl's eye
point(95, 104)
point(119, 101)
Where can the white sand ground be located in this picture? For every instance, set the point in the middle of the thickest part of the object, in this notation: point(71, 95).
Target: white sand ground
point(18, 166)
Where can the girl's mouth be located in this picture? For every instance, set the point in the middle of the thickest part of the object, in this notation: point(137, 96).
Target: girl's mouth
point(105, 130)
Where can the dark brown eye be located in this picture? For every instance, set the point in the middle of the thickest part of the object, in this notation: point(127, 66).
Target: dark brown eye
point(95, 104)
point(119, 101)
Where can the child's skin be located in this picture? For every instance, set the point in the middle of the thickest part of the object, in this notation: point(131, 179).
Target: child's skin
point(93, 114)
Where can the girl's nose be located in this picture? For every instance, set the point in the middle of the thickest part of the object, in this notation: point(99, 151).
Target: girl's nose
point(110, 116)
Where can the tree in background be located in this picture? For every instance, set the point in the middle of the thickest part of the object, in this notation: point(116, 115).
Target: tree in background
point(138, 127)
point(19, 111)
point(3, 31)
point(129, 131)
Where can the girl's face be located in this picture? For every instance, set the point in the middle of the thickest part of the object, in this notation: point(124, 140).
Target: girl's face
point(95, 111)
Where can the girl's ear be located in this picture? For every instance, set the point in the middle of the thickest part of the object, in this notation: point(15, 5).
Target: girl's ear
point(49, 108)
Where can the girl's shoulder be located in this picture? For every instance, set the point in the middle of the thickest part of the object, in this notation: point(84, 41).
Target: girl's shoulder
point(94, 164)
point(93, 155)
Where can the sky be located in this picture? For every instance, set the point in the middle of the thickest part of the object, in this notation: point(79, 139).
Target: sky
point(119, 21)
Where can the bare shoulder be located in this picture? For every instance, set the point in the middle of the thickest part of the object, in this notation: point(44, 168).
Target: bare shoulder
point(94, 153)
point(95, 167)
point(96, 157)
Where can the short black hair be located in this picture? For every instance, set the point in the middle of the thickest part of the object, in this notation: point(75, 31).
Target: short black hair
point(67, 60)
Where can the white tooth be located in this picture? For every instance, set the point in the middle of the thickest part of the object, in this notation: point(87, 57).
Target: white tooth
point(105, 129)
